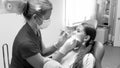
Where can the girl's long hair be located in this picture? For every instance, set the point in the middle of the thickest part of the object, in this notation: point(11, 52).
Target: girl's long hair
point(89, 30)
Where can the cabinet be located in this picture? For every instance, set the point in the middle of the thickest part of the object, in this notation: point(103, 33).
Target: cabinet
point(102, 34)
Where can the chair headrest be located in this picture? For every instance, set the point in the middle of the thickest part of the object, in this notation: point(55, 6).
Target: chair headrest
point(92, 22)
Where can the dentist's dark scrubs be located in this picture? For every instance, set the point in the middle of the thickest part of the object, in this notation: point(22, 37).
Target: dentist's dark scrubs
point(26, 44)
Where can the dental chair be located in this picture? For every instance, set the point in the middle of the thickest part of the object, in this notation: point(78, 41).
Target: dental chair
point(99, 51)
point(93, 22)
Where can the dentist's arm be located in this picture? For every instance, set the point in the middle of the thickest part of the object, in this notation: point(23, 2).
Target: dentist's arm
point(37, 60)
point(31, 54)
point(49, 50)
point(67, 47)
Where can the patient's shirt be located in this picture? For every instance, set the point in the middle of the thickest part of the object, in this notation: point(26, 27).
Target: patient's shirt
point(69, 59)
point(88, 61)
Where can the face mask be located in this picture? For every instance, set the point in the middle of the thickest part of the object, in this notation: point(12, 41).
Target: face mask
point(45, 24)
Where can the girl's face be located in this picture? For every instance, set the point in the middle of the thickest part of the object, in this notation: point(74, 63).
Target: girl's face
point(79, 33)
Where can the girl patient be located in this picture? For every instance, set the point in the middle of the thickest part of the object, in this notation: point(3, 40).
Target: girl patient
point(87, 53)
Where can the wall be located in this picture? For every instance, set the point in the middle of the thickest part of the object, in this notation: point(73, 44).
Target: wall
point(117, 26)
point(10, 24)
point(101, 10)
point(51, 33)
point(79, 11)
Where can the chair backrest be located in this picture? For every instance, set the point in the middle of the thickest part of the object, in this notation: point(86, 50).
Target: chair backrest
point(5, 55)
point(93, 22)
point(99, 51)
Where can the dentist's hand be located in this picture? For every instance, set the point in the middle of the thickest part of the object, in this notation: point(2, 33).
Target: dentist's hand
point(68, 45)
point(62, 39)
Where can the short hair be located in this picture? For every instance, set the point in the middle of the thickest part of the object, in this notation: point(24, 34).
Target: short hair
point(28, 9)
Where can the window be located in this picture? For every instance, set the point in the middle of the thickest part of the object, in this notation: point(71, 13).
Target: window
point(79, 10)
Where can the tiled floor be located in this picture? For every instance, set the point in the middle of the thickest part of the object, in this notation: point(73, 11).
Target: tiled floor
point(111, 57)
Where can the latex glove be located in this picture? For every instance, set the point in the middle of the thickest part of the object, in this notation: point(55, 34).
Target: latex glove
point(68, 45)
point(52, 64)
point(46, 59)
point(62, 39)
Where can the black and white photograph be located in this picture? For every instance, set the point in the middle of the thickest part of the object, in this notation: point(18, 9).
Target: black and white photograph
point(60, 33)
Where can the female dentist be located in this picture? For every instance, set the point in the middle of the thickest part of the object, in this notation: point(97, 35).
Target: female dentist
point(28, 49)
